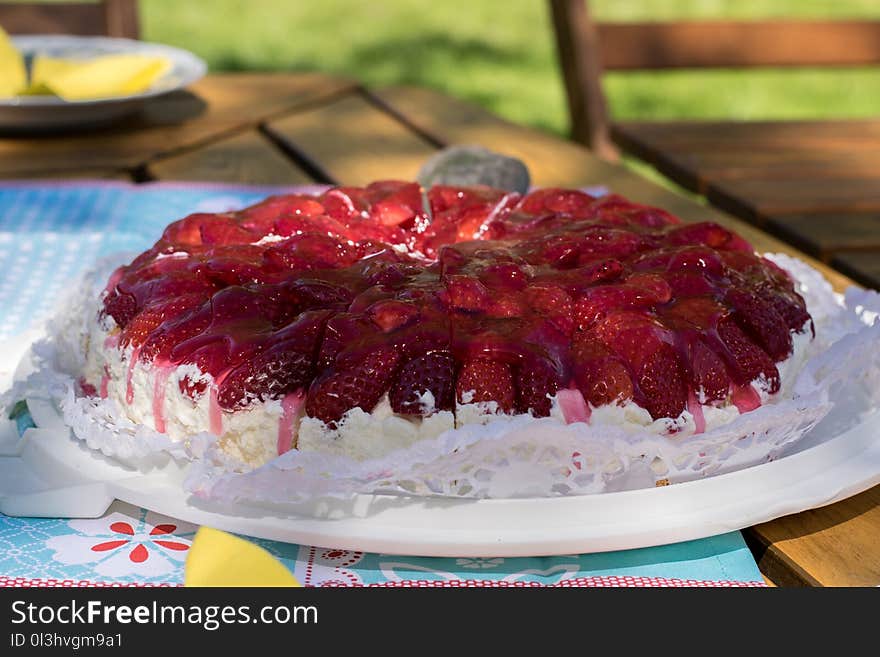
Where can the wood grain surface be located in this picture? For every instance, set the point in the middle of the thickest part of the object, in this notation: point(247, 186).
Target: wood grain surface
point(247, 157)
point(352, 142)
point(815, 184)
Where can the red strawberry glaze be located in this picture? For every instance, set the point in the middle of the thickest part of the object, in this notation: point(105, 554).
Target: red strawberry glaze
point(574, 406)
point(330, 302)
point(160, 381)
point(291, 405)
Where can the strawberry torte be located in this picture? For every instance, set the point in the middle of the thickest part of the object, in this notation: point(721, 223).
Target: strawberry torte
point(361, 320)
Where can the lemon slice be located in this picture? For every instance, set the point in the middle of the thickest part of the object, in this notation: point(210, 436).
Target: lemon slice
point(45, 68)
point(13, 77)
point(220, 559)
point(102, 77)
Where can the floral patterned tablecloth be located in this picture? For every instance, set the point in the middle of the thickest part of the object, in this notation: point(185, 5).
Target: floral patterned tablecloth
point(134, 546)
point(49, 234)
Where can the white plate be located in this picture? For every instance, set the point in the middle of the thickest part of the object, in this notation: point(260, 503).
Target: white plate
point(49, 473)
point(51, 112)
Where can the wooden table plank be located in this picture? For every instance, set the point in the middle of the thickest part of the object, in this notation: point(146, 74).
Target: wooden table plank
point(741, 134)
point(823, 235)
point(70, 174)
point(353, 142)
point(779, 164)
point(695, 154)
point(696, 170)
point(833, 545)
point(758, 198)
point(863, 266)
point(213, 106)
point(248, 157)
point(552, 161)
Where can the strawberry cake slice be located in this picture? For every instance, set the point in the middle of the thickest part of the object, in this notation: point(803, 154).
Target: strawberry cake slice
point(361, 320)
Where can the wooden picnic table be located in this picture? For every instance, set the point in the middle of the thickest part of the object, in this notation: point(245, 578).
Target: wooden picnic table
point(301, 128)
point(815, 184)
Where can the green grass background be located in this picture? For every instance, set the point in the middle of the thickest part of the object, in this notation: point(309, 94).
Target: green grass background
point(500, 54)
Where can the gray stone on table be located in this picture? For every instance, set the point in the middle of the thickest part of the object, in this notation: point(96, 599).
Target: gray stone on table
point(474, 165)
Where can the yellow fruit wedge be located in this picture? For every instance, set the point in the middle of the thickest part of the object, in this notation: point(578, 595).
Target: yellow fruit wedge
point(104, 77)
point(13, 77)
point(220, 559)
point(45, 68)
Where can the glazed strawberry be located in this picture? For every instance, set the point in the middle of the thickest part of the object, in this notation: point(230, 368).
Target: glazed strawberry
point(466, 293)
point(761, 321)
point(445, 198)
point(154, 315)
point(511, 276)
point(699, 312)
point(632, 335)
point(345, 203)
point(709, 374)
point(601, 243)
point(556, 251)
point(597, 301)
point(697, 259)
point(688, 284)
point(578, 280)
point(485, 380)
point(390, 315)
point(309, 251)
point(461, 215)
point(613, 208)
point(358, 381)
point(263, 216)
point(171, 333)
point(747, 361)
point(394, 203)
point(702, 234)
point(187, 231)
point(553, 302)
point(296, 224)
point(536, 380)
point(661, 380)
point(788, 303)
point(236, 304)
point(128, 299)
point(121, 306)
point(560, 201)
point(286, 365)
point(432, 373)
point(653, 286)
point(224, 230)
point(507, 304)
point(600, 375)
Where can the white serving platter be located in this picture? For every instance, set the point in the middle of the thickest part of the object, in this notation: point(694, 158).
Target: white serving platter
point(48, 473)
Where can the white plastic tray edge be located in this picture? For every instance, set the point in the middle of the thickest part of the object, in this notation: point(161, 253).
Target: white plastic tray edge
point(68, 480)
